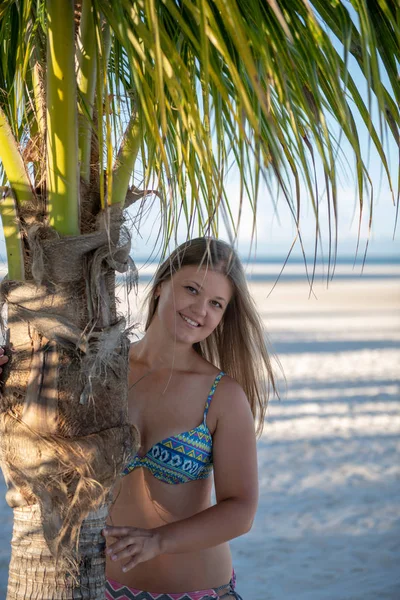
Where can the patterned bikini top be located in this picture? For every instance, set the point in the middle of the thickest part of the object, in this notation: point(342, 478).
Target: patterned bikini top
point(183, 457)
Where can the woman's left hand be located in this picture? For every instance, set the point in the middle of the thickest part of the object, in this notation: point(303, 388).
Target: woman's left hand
point(136, 545)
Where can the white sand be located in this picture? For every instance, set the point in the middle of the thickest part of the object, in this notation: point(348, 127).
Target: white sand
point(328, 523)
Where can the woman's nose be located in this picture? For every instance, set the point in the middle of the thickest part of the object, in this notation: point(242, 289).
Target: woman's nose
point(199, 307)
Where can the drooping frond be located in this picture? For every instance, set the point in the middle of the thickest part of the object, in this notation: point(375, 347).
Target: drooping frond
point(265, 86)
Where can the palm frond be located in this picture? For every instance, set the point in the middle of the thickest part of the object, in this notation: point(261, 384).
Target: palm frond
point(208, 77)
point(264, 87)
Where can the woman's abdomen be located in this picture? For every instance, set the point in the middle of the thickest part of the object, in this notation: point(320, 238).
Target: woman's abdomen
point(142, 501)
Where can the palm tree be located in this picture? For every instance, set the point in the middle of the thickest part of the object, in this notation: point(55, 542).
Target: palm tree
point(95, 96)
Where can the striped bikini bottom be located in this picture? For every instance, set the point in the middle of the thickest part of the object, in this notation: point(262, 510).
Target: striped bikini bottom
point(115, 590)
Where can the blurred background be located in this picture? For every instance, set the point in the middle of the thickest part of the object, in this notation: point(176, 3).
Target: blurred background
point(328, 523)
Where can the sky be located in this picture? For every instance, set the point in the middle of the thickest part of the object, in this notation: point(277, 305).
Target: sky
point(275, 230)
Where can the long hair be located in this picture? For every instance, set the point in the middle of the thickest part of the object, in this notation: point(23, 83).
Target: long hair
point(238, 345)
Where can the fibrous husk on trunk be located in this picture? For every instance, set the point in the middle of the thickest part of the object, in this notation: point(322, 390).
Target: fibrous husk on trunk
point(64, 431)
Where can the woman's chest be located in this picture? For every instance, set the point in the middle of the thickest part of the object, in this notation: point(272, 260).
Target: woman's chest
point(161, 409)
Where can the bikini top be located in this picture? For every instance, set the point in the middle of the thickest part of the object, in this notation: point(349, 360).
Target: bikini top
point(181, 458)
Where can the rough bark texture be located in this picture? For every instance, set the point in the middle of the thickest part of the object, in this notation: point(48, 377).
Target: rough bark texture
point(34, 573)
point(64, 431)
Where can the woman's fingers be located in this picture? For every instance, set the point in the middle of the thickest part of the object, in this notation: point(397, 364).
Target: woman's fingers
point(128, 552)
point(120, 545)
point(136, 544)
point(131, 551)
point(132, 563)
point(121, 531)
point(117, 532)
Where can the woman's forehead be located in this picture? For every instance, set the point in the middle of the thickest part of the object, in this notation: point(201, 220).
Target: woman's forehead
point(201, 271)
point(205, 277)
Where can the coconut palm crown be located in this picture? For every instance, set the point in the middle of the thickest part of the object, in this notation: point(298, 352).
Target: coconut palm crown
point(100, 104)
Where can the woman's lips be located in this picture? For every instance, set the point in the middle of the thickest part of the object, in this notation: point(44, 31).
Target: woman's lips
point(189, 321)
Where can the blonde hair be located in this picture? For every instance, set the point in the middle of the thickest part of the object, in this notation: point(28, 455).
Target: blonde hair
point(238, 344)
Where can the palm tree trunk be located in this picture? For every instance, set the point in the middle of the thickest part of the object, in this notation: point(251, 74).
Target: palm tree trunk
point(64, 431)
point(33, 571)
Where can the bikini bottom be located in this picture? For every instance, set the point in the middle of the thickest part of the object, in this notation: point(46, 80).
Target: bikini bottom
point(116, 590)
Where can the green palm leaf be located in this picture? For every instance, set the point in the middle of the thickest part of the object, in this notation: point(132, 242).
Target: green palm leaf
point(212, 84)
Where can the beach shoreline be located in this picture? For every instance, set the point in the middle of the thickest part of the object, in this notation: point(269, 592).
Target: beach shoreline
point(328, 522)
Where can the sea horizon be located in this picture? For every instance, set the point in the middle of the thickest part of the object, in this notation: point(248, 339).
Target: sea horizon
point(294, 269)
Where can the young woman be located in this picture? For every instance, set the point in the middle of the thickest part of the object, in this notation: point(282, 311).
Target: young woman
point(198, 379)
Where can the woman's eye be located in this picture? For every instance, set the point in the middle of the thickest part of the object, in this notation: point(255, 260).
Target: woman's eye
point(191, 289)
point(217, 304)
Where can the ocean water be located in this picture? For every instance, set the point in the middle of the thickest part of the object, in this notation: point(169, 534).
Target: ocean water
point(294, 268)
point(297, 269)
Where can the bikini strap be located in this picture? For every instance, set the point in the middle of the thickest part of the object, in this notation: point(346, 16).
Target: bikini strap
point(211, 394)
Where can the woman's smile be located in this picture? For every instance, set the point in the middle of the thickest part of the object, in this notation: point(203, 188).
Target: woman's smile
point(191, 322)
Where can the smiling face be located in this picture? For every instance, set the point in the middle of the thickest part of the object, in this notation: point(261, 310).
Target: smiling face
point(192, 303)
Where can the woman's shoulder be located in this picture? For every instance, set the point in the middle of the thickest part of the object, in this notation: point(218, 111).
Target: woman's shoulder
point(229, 396)
point(226, 383)
point(232, 390)
point(227, 390)
point(230, 408)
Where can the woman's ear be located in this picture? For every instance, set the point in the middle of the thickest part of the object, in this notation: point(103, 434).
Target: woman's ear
point(157, 292)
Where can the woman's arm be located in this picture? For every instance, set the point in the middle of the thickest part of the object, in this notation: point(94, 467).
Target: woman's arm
point(235, 473)
point(235, 467)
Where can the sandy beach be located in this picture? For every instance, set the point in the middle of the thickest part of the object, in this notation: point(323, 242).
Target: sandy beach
point(328, 523)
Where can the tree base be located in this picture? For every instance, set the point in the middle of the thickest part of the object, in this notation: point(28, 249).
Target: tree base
point(35, 574)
